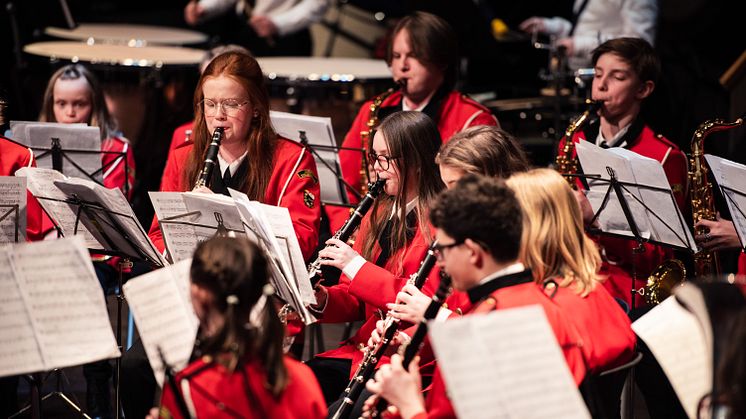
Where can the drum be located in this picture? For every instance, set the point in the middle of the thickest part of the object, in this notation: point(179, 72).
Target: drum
point(126, 34)
point(131, 77)
point(329, 87)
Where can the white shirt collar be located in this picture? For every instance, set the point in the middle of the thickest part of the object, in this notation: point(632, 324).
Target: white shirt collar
point(510, 269)
point(614, 142)
point(410, 206)
point(404, 106)
point(232, 166)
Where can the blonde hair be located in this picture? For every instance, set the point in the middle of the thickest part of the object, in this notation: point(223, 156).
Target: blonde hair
point(554, 243)
point(485, 150)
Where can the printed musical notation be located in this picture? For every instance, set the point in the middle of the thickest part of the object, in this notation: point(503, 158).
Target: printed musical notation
point(12, 192)
point(53, 313)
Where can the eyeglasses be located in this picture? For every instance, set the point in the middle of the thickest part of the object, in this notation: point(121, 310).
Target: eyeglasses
point(439, 248)
point(383, 161)
point(231, 107)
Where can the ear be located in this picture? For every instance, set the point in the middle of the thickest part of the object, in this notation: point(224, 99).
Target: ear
point(645, 89)
point(476, 256)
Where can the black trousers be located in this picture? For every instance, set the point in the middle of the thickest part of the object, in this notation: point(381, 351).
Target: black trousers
point(137, 382)
point(333, 375)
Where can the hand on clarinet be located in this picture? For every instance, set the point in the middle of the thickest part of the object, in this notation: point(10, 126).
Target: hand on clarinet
point(338, 255)
point(410, 305)
point(400, 387)
point(203, 189)
point(399, 339)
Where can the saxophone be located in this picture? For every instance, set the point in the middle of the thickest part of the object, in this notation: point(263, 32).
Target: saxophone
point(672, 272)
point(566, 162)
point(366, 134)
point(703, 206)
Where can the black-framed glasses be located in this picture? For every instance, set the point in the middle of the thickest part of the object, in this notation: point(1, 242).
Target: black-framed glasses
point(231, 107)
point(383, 161)
point(439, 248)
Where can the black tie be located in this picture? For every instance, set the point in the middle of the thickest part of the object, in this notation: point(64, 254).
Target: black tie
point(227, 177)
point(384, 241)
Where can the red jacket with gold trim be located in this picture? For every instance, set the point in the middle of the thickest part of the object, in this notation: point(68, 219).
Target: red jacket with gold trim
point(113, 165)
point(455, 113)
point(288, 187)
point(210, 391)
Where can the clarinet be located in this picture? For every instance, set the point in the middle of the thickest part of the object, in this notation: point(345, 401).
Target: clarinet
point(413, 347)
point(373, 355)
point(205, 176)
point(349, 227)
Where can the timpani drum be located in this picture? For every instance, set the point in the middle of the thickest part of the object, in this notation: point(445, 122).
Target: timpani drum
point(330, 87)
point(130, 75)
point(126, 34)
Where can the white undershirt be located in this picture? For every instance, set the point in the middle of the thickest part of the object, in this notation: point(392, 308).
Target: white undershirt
point(616, 141)
point(231, 166)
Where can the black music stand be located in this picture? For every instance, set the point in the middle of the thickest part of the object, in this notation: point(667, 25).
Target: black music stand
point(618, 188)
point(337, 172)
point(15, 211)
point(60, 156)
point(95, 216)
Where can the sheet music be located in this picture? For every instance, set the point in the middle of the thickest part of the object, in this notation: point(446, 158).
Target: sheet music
point(41, 184)
point(649, 172)
point(282, 227)
point(180, 239)
point(675, 338)
point(18, 128)
point(12, 192)
point(164, 315)
point(731, 175)
point(119, 219)
point(259, 228)
point(73, 140)
point(495, 365)
point(209, 206)
point(319, 132)
point(630, 167)
point(19, 349)
point(64, 303)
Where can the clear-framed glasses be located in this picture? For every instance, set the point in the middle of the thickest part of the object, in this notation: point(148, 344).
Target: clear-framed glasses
point(383, 161)
point(438, 249)
point(231, 107)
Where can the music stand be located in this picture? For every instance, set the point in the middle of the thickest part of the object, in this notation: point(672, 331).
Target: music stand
point(619, 188)
point(106, 225)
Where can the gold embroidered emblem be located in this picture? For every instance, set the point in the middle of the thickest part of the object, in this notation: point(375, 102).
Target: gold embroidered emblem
point(305, 173)
point(308, 198)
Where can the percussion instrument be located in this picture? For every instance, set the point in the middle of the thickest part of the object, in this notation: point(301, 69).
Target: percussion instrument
point(126, 34)
point(120, 55)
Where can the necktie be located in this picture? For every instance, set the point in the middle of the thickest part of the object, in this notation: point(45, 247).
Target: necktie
point(227, 177)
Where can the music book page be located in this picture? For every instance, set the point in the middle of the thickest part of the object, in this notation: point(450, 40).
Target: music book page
point(212, 207)
point(259, 228)
point(115, 226)
point(18, 128)
point(505, 364)
point(180, 239)
point(12, 223)
point(730, 176)
point(282, 227)
point(677, 341)
point(79, 144)
point(320, 135)
point(665, 211)
point(41, 184)
point(57, 302)
point(163, 312)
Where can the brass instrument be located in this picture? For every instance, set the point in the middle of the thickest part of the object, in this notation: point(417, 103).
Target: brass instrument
point(703, 205)
point(211, 159)
point(672, 272)
point(365, 136)
point(663, 279)
point(566, 163)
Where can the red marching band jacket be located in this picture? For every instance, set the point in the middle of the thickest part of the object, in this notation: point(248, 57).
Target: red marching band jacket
point(457, 112)
point(617, 252)
point(437, 403)
point(372, 288)
point(14, 156)
point(294, 185)
point(210, 391)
